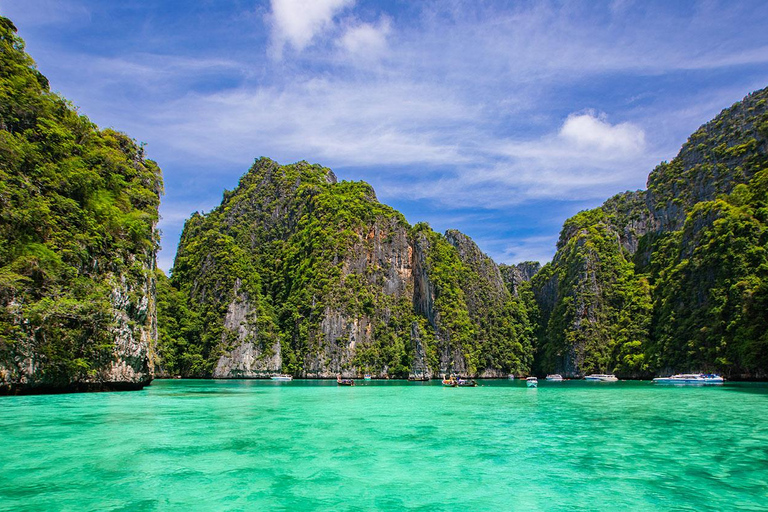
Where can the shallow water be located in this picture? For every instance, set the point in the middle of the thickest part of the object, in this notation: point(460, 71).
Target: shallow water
point(309, 445)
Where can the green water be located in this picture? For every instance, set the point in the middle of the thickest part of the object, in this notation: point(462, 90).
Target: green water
point(305, 445)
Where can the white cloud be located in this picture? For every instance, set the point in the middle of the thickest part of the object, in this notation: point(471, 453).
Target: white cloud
point(586, 158)
point(333, 121)
point(156, 71)
point(589, 131)
point(365, 39)
point(297, 22)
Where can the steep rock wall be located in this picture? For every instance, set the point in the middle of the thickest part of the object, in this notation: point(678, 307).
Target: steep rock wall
point(652, 262)
point(340, 281)
point(78, 215)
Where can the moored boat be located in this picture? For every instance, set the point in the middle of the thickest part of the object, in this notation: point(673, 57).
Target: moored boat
point(466, 383)
point(690, 378)
point(344, 382)
point(282, 378)
point(367, 376)
point(555, 377)
point(418, 378)
point(450, 381)
point(511, 376)
point(532, 382)
point(601, 377)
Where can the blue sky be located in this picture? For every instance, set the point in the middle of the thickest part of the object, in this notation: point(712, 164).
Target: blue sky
point(500, 119)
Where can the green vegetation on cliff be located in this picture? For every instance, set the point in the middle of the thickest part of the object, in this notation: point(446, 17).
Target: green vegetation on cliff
point(312, 276)
point(674, 278)
point(78, 208)
point(595, 311)
point(711, 300)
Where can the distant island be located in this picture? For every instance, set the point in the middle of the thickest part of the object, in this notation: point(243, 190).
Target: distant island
point(298, 273)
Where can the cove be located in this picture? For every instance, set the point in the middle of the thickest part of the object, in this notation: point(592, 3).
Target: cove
point(311, 445)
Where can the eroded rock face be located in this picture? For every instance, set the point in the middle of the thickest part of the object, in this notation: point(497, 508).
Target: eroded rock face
point(490, 276)
point(135, 332)
point(244, 356)
point(515, 275)
point(347, 285)
point(721, 154)
point(126, 363)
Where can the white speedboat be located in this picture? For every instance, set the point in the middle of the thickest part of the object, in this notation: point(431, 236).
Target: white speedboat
point(690, 378)
point(511, 376)
point(282, 378)
point(367, 376)
point(555, 377)
point(601, 377)
point(532, 382)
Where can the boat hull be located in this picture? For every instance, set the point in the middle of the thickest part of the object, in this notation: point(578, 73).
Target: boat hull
point(694, 380)
point(601, 378)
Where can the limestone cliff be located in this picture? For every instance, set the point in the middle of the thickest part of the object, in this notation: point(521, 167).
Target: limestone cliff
point(721, 154)
point(299, 273)
point(515, 275)
point(647, 283)
point(78, 214)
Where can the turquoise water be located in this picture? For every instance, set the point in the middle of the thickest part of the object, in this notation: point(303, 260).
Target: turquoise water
point(307, 445)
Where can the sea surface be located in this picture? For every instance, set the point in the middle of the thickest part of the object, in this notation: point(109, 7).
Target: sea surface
point(311, 445)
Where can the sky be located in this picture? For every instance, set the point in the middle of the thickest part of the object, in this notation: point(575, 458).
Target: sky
point(500, 119)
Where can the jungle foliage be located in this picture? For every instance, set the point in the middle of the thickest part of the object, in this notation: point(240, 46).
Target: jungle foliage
point(303, 247)
point(78, 208)
point(674, 278)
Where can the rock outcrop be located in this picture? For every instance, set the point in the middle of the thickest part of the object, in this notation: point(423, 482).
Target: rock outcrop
point(515, 275)
point(598, 309)
point(343, 284)
point(78, 214)
point(720, 155)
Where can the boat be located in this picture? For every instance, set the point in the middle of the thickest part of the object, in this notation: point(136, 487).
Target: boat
point(532, 382)
point(367, 376)
point(450, 381)
point(282, 378)
point(690, 378)
point(511, 376)
point(418, 378)
point(601, 377)
point(344, 382)
point(555, 377)
point(466, 383)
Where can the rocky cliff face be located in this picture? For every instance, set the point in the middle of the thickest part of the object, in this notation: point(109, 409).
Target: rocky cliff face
point(723, 153)
point(341, 283)
point(134, 331)
point(242, 355)
point(585, 297)
point(515, 275)
point(599, 311)
point(78, 210)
